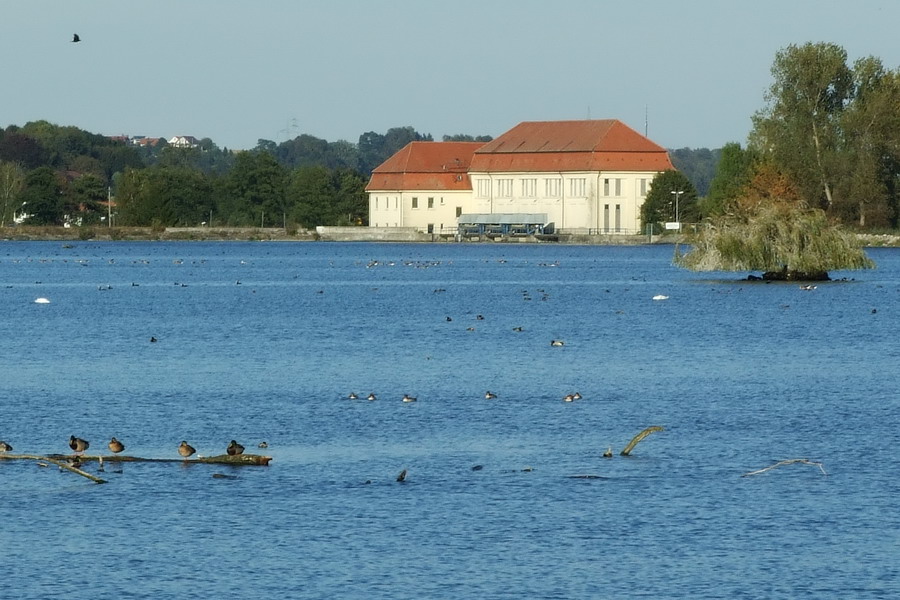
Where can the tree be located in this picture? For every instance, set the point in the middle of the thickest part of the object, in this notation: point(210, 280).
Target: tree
point(769, 228)
point(12, 181)
point(42, 197)
point(698, 165)
point(85, 196)
point(254, 188)
point(801, 125)
point(662, 203)
point(733, 173)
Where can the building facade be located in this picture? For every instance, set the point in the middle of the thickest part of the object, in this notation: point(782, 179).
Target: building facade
point(582, 176)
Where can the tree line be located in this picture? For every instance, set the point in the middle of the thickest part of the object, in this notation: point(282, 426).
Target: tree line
point(55, 175)
point(827, 139)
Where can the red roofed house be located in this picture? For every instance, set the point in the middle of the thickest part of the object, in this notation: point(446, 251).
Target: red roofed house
point(580, 176)
point(424, 185)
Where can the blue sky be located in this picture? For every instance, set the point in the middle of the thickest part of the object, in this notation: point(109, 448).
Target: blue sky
point(236, 71)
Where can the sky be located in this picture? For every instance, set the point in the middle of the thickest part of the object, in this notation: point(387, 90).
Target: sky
point(689, 74)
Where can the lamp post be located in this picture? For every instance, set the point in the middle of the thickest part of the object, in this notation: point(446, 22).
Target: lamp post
point(677, 195)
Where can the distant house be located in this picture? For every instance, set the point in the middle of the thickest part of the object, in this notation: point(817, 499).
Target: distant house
point(184, 141)
point(135, 140)
point(576, 176)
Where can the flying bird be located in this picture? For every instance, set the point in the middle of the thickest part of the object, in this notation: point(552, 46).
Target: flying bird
point(75, 38)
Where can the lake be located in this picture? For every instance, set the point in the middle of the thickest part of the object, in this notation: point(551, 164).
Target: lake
point(504, 498)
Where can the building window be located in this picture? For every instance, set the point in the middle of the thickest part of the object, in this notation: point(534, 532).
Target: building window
point(606, 217)
point(529, 188)
point(458, 211)
point(415, 202)
point(552, 187)
point(577, 187)
point(376, 202)
point(618, 217)
point(606, 187)
point(643, 187)
point(484, 188)
point(618, 187)
point(431, 203)
point(504, 188)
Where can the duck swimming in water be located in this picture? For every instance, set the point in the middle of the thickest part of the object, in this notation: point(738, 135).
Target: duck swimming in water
point(489, 395)
point(234, 449)
point(371, 397)
point(408, 398)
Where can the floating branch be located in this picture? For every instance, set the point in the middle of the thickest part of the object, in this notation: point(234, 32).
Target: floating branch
point(634, 441)
point(62, 464)
point(791, 461)
point(221, 459)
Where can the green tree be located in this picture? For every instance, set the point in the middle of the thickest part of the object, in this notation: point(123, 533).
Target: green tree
point(311, 194)
point(43, 197)
point(769, 228)
point(867, 190)
point(86, 193)
point(254, 191)
point(12, 182)
point(698, 165)
point(733, 173)
point(800, 127)
point(670, 192)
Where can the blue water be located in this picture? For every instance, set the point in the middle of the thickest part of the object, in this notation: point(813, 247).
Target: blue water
point(264, 341)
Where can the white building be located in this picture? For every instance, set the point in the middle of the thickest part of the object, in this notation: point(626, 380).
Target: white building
point(582, 176)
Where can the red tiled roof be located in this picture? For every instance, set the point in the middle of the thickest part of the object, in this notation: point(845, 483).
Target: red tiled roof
point(426, 166)
point(595, 145)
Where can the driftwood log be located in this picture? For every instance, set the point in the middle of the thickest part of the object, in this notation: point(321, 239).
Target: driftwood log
point(221, 459)
point(634, 441)
point(59, 462)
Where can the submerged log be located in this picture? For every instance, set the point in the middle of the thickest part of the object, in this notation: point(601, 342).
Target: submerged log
point(221, 459)
point(634, 441)
point(61, 463)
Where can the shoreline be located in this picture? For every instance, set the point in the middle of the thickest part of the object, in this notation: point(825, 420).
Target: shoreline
point(340, 234)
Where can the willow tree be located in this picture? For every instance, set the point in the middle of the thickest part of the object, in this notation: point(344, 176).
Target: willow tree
point(769, 228)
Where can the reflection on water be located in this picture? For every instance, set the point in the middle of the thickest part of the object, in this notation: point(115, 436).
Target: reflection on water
point(260, 341)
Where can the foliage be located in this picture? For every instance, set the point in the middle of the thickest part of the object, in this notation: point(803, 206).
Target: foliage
point(12, 181)
point(768, 228)
point(171, 196)
point(733, 173)
point(462, 137)
point(836, 131)
point(375, 148)
point(42, 197)
point(698, 165)
point(661, 203)
point(253, 189)
point(85, 195)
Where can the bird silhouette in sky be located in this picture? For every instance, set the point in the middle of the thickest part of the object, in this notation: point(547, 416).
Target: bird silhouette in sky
point(75, 37)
